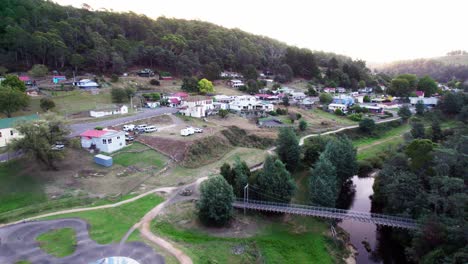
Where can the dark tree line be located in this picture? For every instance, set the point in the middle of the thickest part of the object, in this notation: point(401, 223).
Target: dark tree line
point(67, 38)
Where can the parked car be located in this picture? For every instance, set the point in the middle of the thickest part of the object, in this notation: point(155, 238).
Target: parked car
point(197, 130)
point(141, 128)
point(129, 138)
point(58, 147)
point(150, 129)
point(129, 127)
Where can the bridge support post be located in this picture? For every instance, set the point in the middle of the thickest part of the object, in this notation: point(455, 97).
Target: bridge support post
point(246, 196)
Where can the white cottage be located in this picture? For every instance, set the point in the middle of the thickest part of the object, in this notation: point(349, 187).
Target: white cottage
point(7, 131)
point(121, 110)
point(105, 140)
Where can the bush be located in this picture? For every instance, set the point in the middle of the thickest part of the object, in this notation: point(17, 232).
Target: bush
point(46, 104)
point(325, 98)
point(280, 111)
point(367, 125)
point(366, 99)
point(302, 125)
point(273, 113)
point(155, 82)
point(114, 78)
point(339, 112)
point(38, 70)
point(364, 167)
point(223, 113)
point(298, 116)
point(355, 117)
point(376, 162)
point(99, 128)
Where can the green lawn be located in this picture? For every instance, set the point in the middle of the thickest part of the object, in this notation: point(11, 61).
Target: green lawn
point(110, 225)
point(146, 158)
point(77, 101)
point(398, 131)
point(59, 242)
point(275, 243)
point(387, 146)
point(339, 119)
point(18, 189)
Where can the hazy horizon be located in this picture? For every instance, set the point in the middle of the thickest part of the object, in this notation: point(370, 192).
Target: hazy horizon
point(375, 31)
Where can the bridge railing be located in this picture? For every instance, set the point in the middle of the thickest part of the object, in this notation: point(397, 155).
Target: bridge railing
point(335, 211)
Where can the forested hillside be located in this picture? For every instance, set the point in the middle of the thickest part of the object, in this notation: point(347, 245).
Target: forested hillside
point(443, 69)
point(66, 38)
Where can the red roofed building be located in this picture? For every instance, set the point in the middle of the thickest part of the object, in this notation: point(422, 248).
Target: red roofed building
point(24, 78)
point(105, 140)
point(420, 94)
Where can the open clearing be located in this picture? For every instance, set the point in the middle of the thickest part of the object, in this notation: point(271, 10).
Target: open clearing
point(248, 239)
point(110, 225)
point(59, 242)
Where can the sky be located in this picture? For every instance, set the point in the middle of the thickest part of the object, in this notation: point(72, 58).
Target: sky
point(377, 31)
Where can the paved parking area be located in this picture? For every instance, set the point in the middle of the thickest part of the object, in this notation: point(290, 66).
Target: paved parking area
point(18, 242)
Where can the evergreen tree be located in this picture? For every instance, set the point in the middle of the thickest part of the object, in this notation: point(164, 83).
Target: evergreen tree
point(288, 148)
point(227, 173)
point(341, 153)
point(418, 130)
point(420, 108)
point(215, 203)
point(275, 182)
point(241, 176)
point(323, 183)
point(404, 113)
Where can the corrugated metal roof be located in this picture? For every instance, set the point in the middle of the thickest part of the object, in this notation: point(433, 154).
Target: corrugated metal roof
point(10, 122)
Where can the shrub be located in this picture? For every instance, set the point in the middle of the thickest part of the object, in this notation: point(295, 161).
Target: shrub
point(339, 112)
point(375, 161)
point(273, 113)
point(367, 125)
point(99, 128)
point(364, 167)
point(223, 113)
point(355, 117)
point(38, 70)
point(325, 98)
point(155, 82)
point(46, 104)
point(280, 111)
point(366, 99)
point(298, 116)
point(114, 78)
point(302, 125)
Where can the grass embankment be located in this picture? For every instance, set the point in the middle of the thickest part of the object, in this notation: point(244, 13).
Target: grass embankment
point(22, 195)
point(110, 225)
point(301, 241)
point(138, 154)
point(59, 243)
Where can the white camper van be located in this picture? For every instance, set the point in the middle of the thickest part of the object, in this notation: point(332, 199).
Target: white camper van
point(150, 129)
point(187, 131)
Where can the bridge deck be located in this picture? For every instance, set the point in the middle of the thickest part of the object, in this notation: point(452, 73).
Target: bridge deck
point(379, 219)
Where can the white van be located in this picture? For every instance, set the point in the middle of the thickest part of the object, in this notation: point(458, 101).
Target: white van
point(150, 129)
point(187, 131)
point(141, 128)
point(128, 128)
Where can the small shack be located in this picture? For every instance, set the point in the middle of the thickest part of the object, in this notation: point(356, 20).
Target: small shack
point(103, 160)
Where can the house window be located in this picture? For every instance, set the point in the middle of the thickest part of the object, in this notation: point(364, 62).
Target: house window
point(109, 141)
point(118, 137)
point(104, 141)
point(11, 132)
point(0, 134)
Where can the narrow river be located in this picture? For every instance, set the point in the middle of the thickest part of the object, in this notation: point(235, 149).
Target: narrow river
point(380, 248)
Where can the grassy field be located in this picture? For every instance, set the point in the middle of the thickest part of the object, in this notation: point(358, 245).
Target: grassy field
point(275, 243)
point(339, 119)
point(143, 158)
point(77, 101)
point(59, 243)
point(395, 132)
point(18, 189)
point(387, 146)
point(110, 225)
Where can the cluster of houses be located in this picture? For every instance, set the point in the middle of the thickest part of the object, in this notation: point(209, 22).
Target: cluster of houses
point(379, 104)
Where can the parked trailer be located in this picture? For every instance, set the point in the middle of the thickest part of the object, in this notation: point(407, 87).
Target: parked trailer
point(103, 160)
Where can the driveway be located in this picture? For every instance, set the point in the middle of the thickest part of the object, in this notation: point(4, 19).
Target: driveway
point(77, 129)
point(18, 242)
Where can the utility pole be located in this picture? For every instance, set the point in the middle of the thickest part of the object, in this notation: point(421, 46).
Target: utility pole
point(246, 196)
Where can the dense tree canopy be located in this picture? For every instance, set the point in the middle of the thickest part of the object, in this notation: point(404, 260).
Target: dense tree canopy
point(274, 183)
point(66, 38)
point(288, 148)
point(215, 203)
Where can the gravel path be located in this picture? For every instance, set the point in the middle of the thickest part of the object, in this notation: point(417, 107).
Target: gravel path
point(18, 242)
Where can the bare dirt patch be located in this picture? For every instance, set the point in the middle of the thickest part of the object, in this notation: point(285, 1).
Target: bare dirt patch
point(175, 149)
